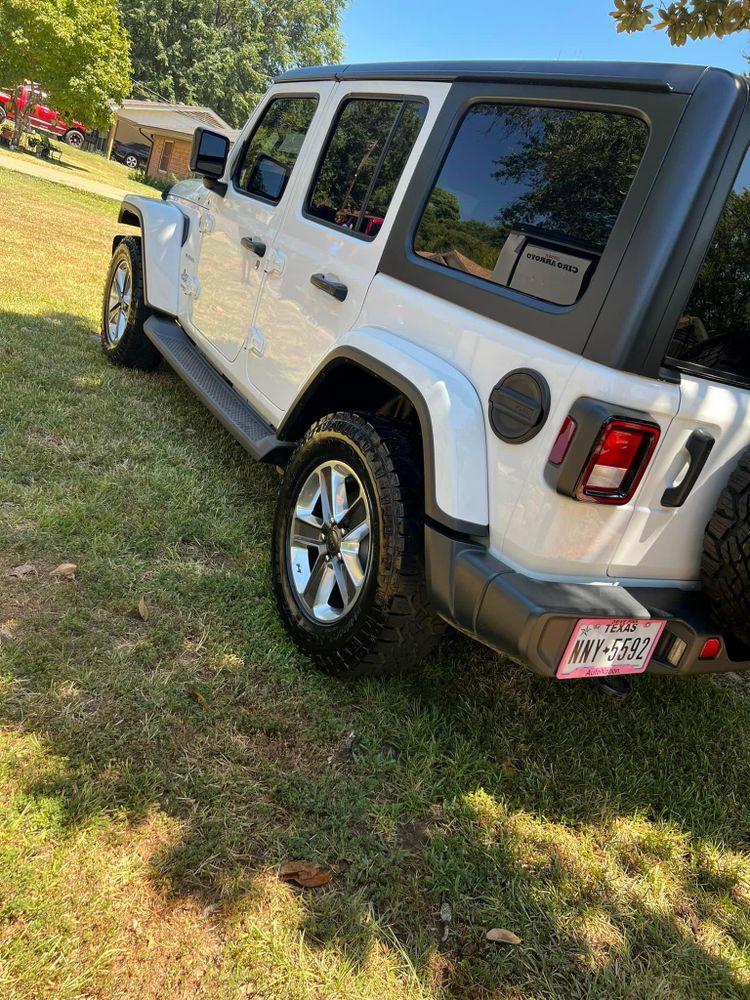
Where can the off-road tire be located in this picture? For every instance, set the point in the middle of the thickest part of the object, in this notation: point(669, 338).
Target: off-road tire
point(391, 627)
point(134, 350)
point(725, 564)
point(3, 114)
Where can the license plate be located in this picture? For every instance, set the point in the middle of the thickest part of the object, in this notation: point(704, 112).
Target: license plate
point(601, 647)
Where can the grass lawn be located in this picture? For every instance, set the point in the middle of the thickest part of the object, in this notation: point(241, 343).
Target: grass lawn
point(154, 774)
point(79, 165)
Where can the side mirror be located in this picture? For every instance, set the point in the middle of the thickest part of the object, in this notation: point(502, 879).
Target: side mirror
point(268, 178)
point(208, 157)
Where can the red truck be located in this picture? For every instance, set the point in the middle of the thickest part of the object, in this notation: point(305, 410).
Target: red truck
point(44, 119)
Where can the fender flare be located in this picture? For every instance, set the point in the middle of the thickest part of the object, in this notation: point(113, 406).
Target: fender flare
point(164, 229)
point(450, 414)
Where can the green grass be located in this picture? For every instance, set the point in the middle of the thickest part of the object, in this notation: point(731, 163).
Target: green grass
point(153, 774)
point(78, 164)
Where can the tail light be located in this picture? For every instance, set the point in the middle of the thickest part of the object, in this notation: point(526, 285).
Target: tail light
point(617, 462)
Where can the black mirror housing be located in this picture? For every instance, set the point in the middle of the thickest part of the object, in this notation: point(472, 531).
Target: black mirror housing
point(208, 157)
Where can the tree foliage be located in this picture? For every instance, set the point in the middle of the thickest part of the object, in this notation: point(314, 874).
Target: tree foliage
point(575, 169)
point(684, 19)
point(76, 51)
point(223, 53)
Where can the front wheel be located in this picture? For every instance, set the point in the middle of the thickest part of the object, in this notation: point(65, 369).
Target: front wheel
point(348, 544)
point(124, 311)
point(131, 161)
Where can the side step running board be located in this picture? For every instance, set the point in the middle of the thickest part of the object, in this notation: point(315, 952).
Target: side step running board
point(226, 404)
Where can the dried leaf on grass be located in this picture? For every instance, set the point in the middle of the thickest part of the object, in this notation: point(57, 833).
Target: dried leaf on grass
point(307, 876)
point(196, 695)
point(142, 609)
point(65, 571)
point(502, 936)
point(508, 768)
point(25, 569)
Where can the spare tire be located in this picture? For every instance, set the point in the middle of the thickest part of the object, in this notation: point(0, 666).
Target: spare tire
point(725, 564)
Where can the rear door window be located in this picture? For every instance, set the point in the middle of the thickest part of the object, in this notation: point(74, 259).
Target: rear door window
point(528, 196)
point(713, 334)
point(363, 162)
point(269, 156)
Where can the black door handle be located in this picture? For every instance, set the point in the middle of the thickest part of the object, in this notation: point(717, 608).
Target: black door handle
point(258, 247)
point(699, 446)
point(334, 288)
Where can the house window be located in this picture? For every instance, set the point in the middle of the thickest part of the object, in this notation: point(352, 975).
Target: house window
point(527, 196)
point(166, 156)
point(363, 163)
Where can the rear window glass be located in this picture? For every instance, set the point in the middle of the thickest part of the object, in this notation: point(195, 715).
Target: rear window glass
point(363, 162)
point(713, 333)
point(528, 196)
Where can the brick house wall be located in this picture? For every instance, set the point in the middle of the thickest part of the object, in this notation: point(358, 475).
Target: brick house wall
point(173, 163)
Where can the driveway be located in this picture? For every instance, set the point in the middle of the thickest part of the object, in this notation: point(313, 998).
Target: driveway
point(25, 164)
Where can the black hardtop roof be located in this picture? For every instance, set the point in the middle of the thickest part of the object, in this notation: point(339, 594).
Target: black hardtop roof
point(625, 75)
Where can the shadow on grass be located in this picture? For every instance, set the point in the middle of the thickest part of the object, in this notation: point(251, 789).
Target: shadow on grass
point(544, 808)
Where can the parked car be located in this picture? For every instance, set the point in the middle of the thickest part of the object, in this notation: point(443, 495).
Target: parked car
point(492, 319)
point(133, 154)
point(45, 119)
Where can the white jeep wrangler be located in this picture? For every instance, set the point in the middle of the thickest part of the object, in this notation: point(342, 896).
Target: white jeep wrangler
point(493, 319)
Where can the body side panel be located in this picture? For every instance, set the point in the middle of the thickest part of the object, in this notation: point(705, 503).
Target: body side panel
point(162, 228)
point(450, 412)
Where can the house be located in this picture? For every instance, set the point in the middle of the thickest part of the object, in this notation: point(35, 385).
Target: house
point(168, 128)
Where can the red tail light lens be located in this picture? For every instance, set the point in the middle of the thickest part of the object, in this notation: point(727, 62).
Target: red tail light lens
point(618, 461)
point(562, 442)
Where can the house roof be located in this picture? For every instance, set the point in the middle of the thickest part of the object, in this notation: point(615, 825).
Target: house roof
point(179, 120)
point(627, 75)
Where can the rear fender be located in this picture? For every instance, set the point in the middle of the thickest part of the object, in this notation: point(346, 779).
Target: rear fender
point(163, 229)
point(450, 414)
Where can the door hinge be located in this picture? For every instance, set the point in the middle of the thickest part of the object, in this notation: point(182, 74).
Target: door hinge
point(256, 342)
point(274, 262)
point(189, 285)
point(206, 222)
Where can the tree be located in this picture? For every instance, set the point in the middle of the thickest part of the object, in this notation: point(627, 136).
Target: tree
point(76, 52)
point(223, 53)
point(685, 19)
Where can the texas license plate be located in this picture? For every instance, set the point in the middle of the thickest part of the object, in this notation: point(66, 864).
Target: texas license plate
point(601, 647)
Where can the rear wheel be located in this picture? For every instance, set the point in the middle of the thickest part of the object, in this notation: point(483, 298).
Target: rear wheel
point(348, 548)
point(124, 311)
point(131, 161)
point(725, 565)
point(74, 138)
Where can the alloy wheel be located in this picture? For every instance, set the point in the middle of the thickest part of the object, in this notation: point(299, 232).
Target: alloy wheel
point(119, 302)
point(329, 544)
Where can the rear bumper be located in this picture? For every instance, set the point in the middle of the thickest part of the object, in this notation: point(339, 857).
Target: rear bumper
point(532, 620)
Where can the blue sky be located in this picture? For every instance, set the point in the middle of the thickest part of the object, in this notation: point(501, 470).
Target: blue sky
point(378, 30)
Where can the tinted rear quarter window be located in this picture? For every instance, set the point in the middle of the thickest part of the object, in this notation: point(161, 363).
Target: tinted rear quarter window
point(272, 150)
point(713, 334)
point(528, 196)
point(363, 162)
